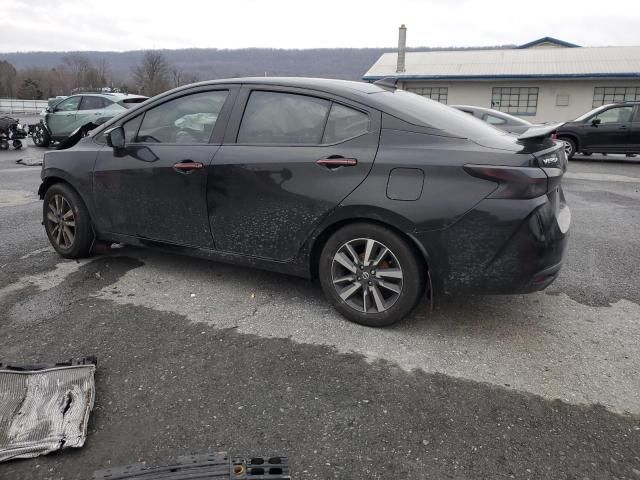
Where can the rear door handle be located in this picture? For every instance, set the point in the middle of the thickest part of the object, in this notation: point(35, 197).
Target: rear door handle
point(337, 162)
point(187, 166)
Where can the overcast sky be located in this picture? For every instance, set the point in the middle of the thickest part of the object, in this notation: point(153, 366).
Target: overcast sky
point(27, 25)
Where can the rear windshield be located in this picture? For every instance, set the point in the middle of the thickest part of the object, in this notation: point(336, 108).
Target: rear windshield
point(132, 102)
point(419, 110)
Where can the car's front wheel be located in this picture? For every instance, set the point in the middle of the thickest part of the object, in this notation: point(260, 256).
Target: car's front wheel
point(41, 136)
point(569, 147)
point(66, 221)
point(371, 275)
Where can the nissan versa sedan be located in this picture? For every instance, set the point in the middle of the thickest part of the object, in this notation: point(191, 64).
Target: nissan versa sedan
point(382, 195)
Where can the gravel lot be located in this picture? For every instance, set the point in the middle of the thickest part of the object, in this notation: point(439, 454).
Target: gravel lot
point(197, 356)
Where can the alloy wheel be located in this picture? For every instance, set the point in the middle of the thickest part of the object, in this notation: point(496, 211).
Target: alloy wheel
point(568, 148)
point(61, 222)
point(367, 275)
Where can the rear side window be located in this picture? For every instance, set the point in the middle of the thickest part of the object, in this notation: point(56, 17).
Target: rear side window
point(184, 120)
point(132, 102)
point(93, 103)
point(283, 118)
point(344, 123)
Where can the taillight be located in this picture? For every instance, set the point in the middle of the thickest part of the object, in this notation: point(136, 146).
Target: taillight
point(513, 182)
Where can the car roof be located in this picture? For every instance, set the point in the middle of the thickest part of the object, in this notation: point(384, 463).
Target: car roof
point(112, 96)
point(346, 88)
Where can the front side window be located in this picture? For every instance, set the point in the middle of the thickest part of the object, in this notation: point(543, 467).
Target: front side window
point(607, 95)
point(615, 115)
point(344, 123)
point(283, 118)
point(515, 100)
point(131, 129)
point(68, 105)
point(184, 120)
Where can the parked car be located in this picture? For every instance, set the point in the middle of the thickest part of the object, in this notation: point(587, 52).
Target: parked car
point(83, 111)
point(380, 194)
point(613, 128)
point(498, 119)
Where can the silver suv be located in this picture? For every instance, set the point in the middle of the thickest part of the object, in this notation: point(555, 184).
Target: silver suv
point(82, 111)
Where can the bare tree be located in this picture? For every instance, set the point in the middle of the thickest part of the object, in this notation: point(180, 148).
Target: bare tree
point(102, 69)
point(79, 66)
point(177, 77)
point(152, 75)
point(8, 75)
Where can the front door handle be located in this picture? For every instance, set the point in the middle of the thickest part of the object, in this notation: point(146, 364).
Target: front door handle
point(187, 166)
point(337, 162)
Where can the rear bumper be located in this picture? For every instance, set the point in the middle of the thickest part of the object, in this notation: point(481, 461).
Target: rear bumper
point(501, 247)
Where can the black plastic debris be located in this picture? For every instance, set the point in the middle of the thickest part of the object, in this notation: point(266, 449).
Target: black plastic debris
point(44, 407)
point(206, 466)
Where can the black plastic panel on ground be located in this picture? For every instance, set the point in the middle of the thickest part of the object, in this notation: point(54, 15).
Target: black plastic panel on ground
point(207, 466)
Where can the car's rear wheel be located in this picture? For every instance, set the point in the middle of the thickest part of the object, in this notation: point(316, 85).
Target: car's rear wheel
point(67, 222)
point(41, 136)
point(371, 275)
point(569, 147)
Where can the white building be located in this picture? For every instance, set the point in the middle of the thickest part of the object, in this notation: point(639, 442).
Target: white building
point(541, 81)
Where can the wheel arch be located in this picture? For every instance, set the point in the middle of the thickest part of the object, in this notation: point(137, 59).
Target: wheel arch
point(572, 136)
point(329, 228)
point(48, 182)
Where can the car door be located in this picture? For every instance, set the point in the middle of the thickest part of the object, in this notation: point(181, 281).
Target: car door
point(90, 110)
point(62, 119)
point(290, 156)
point(608, 131)
point(634, 135)
point(155, 188)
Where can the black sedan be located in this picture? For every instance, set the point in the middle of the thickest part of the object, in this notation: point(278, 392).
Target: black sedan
point(613, 128)
point(381, 194)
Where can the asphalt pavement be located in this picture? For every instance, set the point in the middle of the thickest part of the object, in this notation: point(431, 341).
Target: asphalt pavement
point(198, 356)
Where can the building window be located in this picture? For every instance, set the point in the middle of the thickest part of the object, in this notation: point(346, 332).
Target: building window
point(439, 94)
point(606, 95)
point(515, 100)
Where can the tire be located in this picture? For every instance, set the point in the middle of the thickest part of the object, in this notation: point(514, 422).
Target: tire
point(41, 137)
point(4, 145)
point(569, 147)
point(388, 298)
point(76, 239)
point(17, 144)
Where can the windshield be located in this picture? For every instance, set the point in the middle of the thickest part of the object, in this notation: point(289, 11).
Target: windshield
point(590, 113)
point(419, 110)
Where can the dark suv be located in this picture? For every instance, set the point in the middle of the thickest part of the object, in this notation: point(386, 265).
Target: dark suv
point(611, 128)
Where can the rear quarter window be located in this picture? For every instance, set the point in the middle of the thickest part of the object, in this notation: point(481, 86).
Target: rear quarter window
point(422, 111)
point(344, 123)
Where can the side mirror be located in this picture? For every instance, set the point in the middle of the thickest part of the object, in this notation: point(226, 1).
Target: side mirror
point(595, 122)
point(115, 138)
